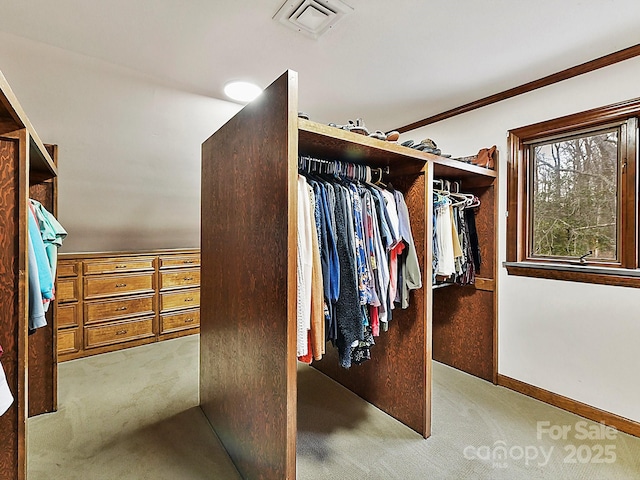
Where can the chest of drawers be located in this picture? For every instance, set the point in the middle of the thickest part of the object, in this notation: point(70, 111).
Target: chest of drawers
point(108, 301)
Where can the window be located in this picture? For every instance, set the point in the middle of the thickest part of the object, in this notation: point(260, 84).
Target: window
point(573, 195)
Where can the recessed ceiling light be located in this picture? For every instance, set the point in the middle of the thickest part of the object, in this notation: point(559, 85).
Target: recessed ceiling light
point(242, 91)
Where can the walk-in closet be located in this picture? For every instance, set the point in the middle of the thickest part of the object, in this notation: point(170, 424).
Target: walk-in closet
point(248, 382)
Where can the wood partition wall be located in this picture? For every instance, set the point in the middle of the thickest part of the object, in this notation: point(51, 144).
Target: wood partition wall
point(43, 363)
point(27, 169)
point(464, 318)
point(248, 382)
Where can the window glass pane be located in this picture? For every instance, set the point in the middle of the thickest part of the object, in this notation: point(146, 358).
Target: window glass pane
point(574, 202)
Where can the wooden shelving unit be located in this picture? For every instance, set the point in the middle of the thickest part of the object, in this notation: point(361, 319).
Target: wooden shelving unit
point(248, 382)
point(28, 170)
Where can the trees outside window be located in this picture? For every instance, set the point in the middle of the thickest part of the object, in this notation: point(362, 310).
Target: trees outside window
point(573, 196)
point(575, 201)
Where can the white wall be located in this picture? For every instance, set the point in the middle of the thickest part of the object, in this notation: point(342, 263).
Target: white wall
point(129, 148)
point(578, 340)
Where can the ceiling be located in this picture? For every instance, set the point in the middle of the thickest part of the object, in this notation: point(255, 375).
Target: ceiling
point(389, 62)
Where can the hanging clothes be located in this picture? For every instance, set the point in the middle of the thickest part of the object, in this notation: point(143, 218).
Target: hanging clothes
point(347, 307)
point(304, 268)
point(446, 259)
point(36, 301)
point(395, 249)
point(316, 333)
point(357, 228)
point(456, 253)
point(410, 270)
point(470, 218)
point(52, 233)
point(42, 267)
point(45, 237)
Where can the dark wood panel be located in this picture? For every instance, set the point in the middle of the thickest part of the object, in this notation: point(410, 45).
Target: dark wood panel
point(395, 379)
point(586, 67)
point(41, 369)
point(463, 329)
point(9, 325)
point(42, 359)
point(486, 226)
point(248, 271)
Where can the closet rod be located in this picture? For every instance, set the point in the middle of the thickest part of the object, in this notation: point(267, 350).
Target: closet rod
point(354, 171)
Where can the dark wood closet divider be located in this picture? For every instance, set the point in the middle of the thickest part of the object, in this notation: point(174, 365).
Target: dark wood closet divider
point(248, 311)
point(464, 317)
point(248, 381)
point(12, 423)
point(25, 162)
point(43, 366)
point(248, 283)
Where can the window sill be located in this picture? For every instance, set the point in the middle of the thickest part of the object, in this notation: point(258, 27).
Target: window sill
point(623, 277)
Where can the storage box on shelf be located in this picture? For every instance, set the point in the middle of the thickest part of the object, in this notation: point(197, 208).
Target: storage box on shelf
point(111, 301)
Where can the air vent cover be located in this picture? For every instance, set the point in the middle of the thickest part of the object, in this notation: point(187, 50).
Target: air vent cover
point(312, 17)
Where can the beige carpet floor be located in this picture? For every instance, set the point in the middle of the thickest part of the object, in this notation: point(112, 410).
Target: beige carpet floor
point(128, 415)
point(133, 415)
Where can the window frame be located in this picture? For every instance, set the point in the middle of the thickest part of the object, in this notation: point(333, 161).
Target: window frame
point(625, 270)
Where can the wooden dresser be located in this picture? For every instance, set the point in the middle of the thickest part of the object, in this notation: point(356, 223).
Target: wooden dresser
point(112, 300)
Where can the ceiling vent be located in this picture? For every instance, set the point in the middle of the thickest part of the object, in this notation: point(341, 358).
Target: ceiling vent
point(312, 17)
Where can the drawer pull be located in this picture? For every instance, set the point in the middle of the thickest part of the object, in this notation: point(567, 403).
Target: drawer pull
point(188, 299)
point(121, 309)
point(187, 279)
point(121, 266)
point(120, 285)
point(188, 320)
point(187, 261)
point(121, 332)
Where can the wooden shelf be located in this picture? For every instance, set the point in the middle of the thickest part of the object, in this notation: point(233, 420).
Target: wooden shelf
point(331, 143)
point(449, 168)
point(13, 119)
point(41, 166)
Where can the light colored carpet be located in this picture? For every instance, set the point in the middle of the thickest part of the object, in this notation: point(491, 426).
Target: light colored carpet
point(133, 415)
point(128, 415)
point(342, 437)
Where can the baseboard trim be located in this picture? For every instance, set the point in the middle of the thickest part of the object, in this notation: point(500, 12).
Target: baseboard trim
point(587, 411)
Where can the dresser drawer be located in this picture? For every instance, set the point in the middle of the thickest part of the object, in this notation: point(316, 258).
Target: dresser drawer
point(118, 265)
point(118, 332)
point(68, 315)
point(68, 341)
point(67, 290)
point(67, 269)
point(99, 311)
point(175, 261)
point(179, 321)
point(180, 299)
point(110, 285)
point(180, 278)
